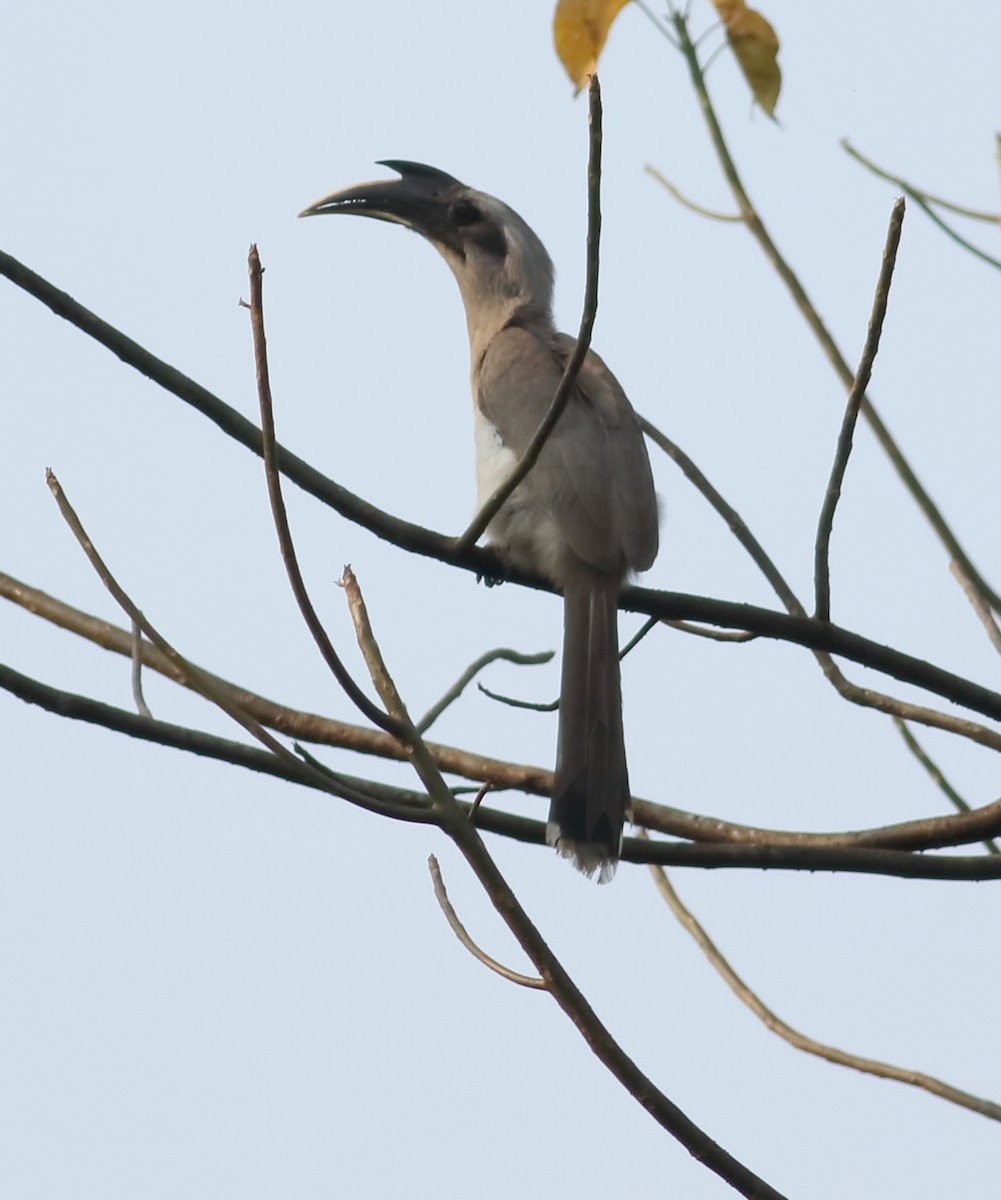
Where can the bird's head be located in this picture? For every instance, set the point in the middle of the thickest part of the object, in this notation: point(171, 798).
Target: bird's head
point(501, 266)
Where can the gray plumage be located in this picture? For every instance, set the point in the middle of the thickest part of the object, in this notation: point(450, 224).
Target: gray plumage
point(586, 514)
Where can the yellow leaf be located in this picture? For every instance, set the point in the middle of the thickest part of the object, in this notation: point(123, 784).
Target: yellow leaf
point(580, 28)
point(756, 47)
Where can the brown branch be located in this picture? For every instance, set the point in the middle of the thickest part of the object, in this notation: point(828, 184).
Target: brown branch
point(802, 301)
point(441, 895)
point(869, 1066)
point(856, 860)
point(821, 565)
point(982, 609)
point(979, 818)
point(792, 852)
point(682, 199)
point(496, 501)
point(305, 726)
point(533, 780)
point(280, 516)
point(416, 539)
point(452, 820)
point(835, 676)
point(392, 529)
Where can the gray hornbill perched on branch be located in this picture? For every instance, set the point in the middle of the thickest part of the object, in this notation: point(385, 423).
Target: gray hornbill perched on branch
point(585, 516)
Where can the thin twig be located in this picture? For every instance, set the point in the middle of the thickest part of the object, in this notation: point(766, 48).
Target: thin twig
point(233, 424)
point(683, 200)
point(541, 706)
point(938, 777)
point(137, 672)
point(714, 635)
point(647, 627)
point(733, 519)
point(869, 1066)
point(198, 680)
point(821, 561)
point(655, 20)
point(984, 614)
point(528, 981)
point(528, 460)
point(309, 614)
point(812, 318)
point(975, 214)
point(470, 673)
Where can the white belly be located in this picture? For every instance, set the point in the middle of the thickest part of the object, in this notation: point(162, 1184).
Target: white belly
point(523, 530)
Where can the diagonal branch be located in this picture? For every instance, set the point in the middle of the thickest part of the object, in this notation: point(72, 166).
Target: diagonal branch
point(460, 931)
point(554, 977)
point(309, 614)
point(576, 360)
point(924, 200)
point(821, 566)
point(869, 1066)
point(803, 302)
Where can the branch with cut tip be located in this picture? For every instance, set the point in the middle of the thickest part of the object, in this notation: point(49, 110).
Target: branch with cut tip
point(576, 360)
point(280, 516)
point(821, 564)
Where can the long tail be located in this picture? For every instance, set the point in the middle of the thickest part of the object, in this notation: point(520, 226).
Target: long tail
point(591, 787)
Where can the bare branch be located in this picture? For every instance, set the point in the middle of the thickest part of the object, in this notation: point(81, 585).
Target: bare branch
point(499, 774)
point(975, 214)
point(812, 317)
point(200, 683)
point(282, 718)
point(821, 566)
point(856, 860)
point(555, 979)
point(868, 1066)
point(544, 706)
point(748, 848)
point(980, 607)
point(392, 529)
point(714, 635)
point(576, 360)
point(309, 614)
point(683, 200)
point(935, 772)
point(137, 672)
point(924, 201)
point(734, 521)
point(470, 673)
point(441, 895)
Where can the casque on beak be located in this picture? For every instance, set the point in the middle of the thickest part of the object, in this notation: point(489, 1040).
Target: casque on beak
point(419, 199)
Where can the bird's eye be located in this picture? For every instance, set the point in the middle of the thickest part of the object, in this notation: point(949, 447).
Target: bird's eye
point(463, 212)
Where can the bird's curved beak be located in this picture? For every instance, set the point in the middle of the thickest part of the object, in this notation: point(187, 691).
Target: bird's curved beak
point(418, 199)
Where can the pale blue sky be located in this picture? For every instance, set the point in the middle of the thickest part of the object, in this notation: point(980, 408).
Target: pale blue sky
point(216, 986)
